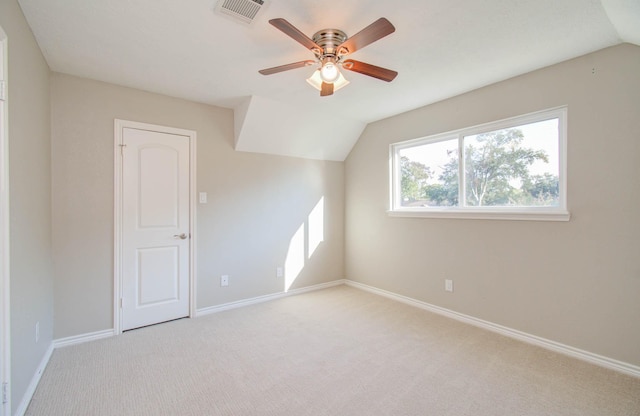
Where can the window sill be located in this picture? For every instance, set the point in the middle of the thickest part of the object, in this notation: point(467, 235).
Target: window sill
point(507, 214)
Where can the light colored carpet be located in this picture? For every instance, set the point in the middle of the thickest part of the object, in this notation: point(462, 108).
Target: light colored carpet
point(339, 351)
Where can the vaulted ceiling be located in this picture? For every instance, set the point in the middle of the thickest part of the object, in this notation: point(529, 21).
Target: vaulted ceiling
point(440, 48)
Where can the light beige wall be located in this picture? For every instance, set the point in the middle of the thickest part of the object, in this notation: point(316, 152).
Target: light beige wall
point(30, 200)
point(574, 282)
point(256, 203)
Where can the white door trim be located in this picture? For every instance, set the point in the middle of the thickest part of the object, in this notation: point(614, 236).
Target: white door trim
point(119, 125)
point(5, 332)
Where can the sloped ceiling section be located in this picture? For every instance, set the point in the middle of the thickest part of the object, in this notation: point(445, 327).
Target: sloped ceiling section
point(625, 17)
point(263, 125)
point(440, 49)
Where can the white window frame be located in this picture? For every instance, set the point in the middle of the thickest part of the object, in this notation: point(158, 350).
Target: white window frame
point(558, 213)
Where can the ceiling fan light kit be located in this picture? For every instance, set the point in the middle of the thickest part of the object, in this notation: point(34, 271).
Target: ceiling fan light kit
point(329, 71)
point(316, 81)
point(330, 46)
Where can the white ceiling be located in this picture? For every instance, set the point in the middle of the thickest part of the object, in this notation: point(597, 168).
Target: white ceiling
point(440, 49)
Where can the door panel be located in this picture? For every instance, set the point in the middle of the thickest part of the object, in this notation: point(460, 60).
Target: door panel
point(158, 276)
point(155, 227)
point(159, 197)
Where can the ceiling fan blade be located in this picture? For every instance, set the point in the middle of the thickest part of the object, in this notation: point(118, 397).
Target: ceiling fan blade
point(327, 89)
point(293, 32)
point(383, 74)
point(375, 31)
point(286, 67)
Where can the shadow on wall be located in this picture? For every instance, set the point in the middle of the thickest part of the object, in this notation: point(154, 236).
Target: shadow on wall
point(303, 244)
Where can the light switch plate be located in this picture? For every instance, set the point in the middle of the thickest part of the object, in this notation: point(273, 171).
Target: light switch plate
point(203, 197)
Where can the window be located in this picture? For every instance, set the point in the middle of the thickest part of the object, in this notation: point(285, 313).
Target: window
point(509, 169)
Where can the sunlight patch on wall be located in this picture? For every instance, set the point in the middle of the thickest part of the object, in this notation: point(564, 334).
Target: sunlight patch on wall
point(316, 227)
point(295, 258)
point(304, 244)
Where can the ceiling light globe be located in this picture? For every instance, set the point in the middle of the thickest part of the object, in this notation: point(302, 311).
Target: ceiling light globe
point(329, 72)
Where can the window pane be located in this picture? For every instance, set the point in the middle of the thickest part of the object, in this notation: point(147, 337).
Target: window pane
point(429, 174)
point(517, 166)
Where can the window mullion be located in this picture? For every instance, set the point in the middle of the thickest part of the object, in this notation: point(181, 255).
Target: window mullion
point(462, 189)
point(395, 180)
point(397, 194)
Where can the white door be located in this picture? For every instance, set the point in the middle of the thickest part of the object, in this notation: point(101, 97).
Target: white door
point(155, 227)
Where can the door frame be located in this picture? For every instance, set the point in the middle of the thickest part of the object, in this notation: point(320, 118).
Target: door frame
point(5, 309)
point(119, 125)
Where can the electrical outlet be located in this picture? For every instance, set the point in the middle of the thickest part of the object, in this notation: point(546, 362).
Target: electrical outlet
point(224, 280)
point(37, 332)
point(280, 272)
point(448, 285)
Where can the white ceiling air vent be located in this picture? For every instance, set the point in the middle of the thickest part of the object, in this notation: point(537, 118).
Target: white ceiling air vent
point(242, 10)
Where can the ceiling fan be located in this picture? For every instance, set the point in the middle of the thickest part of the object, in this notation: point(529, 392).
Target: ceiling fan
point(330, 47)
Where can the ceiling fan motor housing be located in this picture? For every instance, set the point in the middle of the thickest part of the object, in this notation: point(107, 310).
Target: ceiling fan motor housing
point(329, 40)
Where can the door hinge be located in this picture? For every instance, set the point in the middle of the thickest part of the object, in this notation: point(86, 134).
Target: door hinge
point(120, 303)
point(122, 146)
point(5, 392)
point(3, 90)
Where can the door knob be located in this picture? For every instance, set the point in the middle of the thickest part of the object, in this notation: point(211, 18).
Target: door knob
point(182, 236)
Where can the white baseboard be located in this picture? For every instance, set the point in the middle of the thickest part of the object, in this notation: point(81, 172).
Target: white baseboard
point(600, 360)
point(26, 399)
point(79, 339)
point(266, 298)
